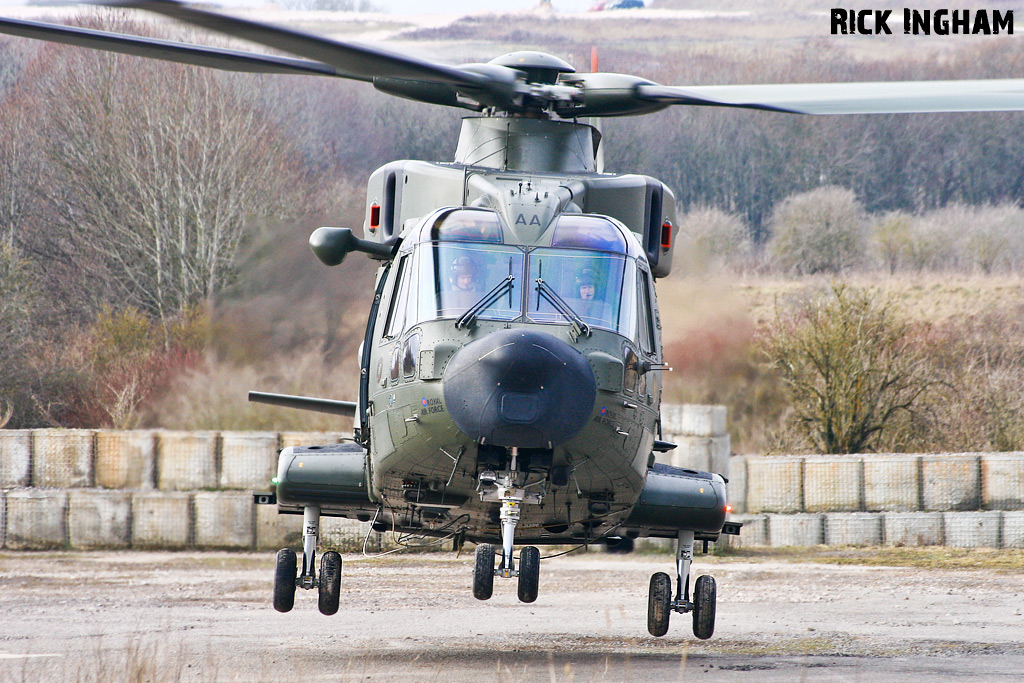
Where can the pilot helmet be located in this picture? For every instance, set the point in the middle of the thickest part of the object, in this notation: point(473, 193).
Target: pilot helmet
point(463, 265)
point(587, 276)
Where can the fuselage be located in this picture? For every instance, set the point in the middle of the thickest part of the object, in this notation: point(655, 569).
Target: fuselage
point(515, 328)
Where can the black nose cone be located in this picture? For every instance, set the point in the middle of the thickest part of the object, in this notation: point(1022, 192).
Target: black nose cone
point(519, 388)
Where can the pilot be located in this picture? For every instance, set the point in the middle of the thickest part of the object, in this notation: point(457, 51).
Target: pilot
point(464, 279)
point(593, 310)
point(463, 274)
point(586, 281)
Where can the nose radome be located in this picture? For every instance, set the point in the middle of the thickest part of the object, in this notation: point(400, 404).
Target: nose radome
point(519, 388)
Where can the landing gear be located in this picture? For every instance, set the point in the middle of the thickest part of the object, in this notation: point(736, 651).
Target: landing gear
point(483, 572)
point(660, 603)
point(511, 489)
point(286, 580)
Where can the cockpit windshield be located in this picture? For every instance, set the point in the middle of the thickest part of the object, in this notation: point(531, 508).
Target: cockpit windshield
point(461, 265)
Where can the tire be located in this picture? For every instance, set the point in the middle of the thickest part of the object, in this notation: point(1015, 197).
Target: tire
point(330, 583)
point(620, 545)
point(705, 595)
point(483, 572)
point(284, 580)
point(659, 604)
point(529, 573)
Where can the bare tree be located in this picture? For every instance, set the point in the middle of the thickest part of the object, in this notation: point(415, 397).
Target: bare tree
point(155, 170)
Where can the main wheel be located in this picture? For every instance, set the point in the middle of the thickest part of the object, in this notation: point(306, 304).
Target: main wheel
point(529, 573)
point(659, 604)
point(284, 580)
point(330, 583)
point(620, 545)
point(704, 598)
point(483, 572)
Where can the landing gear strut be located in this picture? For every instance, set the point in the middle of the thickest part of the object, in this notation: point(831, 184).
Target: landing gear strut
point(286, 580)
point(510, 491)
point(660, 603)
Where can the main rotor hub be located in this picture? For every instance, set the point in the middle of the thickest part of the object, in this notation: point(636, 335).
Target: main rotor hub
point(538, 66)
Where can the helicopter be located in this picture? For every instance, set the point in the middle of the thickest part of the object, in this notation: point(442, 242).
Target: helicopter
point(511, 368)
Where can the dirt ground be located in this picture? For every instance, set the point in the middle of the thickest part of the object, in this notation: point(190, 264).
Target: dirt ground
point(136, 616)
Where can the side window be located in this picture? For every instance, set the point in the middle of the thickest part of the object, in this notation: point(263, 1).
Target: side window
point(399, 296)
point(646, 315)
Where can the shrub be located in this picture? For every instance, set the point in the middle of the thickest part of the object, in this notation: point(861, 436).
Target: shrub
point(850, 371)
point(714, 239)
point(821, 231)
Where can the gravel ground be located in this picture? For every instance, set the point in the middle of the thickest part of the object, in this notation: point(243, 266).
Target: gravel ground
point(207, 616)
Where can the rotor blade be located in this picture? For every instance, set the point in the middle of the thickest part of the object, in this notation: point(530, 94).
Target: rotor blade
point(851, 98)
point(198, 55)
point(350, 59)
point(320, 405)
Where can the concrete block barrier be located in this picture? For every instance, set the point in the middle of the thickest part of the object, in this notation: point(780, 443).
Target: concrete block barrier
point(248, 459)
point(36, 519)
point(1013, 530)
point(161, 519)
point(736, 489)
point(1002, 481)
point(274, 531)
point(972, 529)
point(289, 439)
point(775, 484)
point(833, 483)
point(125, 459)
point(15, 458)
point(914, 529)
point(99, 519)
point(892, 483)
point(702, 453)
point(186, 461)
point(853, 528)
point(951, 482)
point(224, 520)
point(62, 458)
point(796, 530)
point(693, 420)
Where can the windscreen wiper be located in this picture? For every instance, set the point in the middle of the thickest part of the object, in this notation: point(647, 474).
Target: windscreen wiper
point(578, 326)
point(471, 314)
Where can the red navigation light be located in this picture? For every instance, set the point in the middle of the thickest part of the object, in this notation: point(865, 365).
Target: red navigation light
point(374, 217)
point(666, 235)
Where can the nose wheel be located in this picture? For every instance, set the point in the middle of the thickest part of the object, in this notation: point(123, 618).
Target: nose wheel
point(660, 603)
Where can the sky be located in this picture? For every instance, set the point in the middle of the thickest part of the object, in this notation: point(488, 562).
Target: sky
point(432, 7)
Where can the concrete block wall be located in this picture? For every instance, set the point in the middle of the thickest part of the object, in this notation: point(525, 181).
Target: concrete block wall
point(166, 489)
point(700, 434)
point(945, 482)
point(973, 529)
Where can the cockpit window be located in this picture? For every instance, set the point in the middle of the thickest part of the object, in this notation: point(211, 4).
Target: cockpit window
point(467, 225)
point(590, 284)
point(455, 278)
point(588, 232)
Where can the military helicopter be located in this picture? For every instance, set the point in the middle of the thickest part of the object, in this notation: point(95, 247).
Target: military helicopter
point(510, 382)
